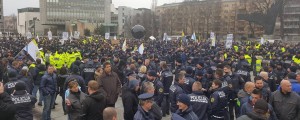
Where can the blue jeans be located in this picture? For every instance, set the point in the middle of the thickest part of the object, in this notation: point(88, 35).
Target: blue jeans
point(34, 92)
point(48, 102)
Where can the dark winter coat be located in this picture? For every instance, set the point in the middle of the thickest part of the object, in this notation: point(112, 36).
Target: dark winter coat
point(23, 102)
point(111, 85)
point(76, 100)
point(93, 106)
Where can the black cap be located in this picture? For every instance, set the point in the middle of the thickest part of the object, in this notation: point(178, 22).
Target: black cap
point(145, 96)
point(129, 74)
point(262, 105)
point(189, 70)
point(152, 73)
point(12, 73)
point(201, 63)
point(199, 73)
point(20, 86)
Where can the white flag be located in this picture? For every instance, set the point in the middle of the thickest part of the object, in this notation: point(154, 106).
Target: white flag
point(141, 49)
point(29, 35)
point(71, 36)
point(213, 39)
point(115, 37)
point(262, 40)
point(37, 37)
point(32, 49)
point(49, 35)
point(124, 46)
point(194, 36)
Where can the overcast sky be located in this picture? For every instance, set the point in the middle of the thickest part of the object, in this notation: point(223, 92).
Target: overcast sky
point(11, 6)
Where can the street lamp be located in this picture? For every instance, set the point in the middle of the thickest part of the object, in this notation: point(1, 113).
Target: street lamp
point(34, 19)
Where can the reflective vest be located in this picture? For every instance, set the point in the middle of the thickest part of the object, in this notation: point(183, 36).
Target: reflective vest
point(257, 46)
point(225, 55)
point(236, 48)
point(296, 60)
point(282, 49)
point(258, 65)
point(248, 58)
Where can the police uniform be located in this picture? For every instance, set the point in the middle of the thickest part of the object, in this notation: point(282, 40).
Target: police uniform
point(23, 102)
point(141, 114)
point(159, 88)
point(218, 102)
point(167, 79)
point(175, 91)
point(88, 71)
point(200, 104)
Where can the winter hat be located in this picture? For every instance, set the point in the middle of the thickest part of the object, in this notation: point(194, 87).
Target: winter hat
point(152, 73)
point(20, 86)
point(189, 70)
point(12, 73)
point(293, 69)
point(185, 99)
point(261, 105)
point(132, 84)
point(75, 69)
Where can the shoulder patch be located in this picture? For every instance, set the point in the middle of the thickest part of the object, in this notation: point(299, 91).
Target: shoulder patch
point(212, 100)
point(160, 90)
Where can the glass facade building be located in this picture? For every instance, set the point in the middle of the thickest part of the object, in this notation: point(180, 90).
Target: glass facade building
point(57, 12)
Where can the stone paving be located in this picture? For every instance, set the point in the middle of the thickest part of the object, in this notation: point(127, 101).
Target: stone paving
point(58, 114)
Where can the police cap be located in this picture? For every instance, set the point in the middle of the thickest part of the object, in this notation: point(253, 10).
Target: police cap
point(145, 96)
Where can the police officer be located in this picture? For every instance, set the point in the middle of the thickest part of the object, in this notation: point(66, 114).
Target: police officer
point(23, 101)
point(189, 79)
point(235, 83)
point(9, 87)
point(199, 101)
point(179, 67)
point(159, 88)
point(218, 102)
point(89, 71)
point(144, 107)
point(175, 90)
point(167, 79)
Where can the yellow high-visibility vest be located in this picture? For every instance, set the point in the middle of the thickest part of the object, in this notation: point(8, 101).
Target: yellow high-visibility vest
point(248, 58)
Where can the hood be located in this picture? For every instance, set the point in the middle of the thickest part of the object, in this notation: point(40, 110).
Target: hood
point(97, 96)
point(187, 111)
point(255, 116)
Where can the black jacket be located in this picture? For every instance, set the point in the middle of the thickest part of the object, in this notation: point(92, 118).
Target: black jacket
point(187, 114)
point(93, 106)
point(7, 108)
point(200, 105)
point(23, 102)
point(252, 116)
point(130, 103)
point(166, 79)
point(175, 91)
point(9, 87)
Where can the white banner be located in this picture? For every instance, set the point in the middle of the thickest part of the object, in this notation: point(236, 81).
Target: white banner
point(229, 41)
point(76, 34)
point(262, 40)
point(213, 39)
point(29, 35)
point(165, 36)
point(49, 35)
point(107, 36)
point(65, 36)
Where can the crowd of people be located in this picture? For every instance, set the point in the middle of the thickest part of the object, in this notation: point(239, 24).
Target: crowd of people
point(189, 80)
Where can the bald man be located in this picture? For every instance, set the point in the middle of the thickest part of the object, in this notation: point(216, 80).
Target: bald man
point(285, 102)
point(271, 82)
point(110, 113)
point(245, 93)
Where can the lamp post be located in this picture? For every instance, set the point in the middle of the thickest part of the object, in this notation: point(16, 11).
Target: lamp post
point(34, 19)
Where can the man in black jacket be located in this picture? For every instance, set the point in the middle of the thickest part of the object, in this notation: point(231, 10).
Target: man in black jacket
point(130, 99)
point(94, 104)
point(199, 101)
point(7, 109)
point(23, 102)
